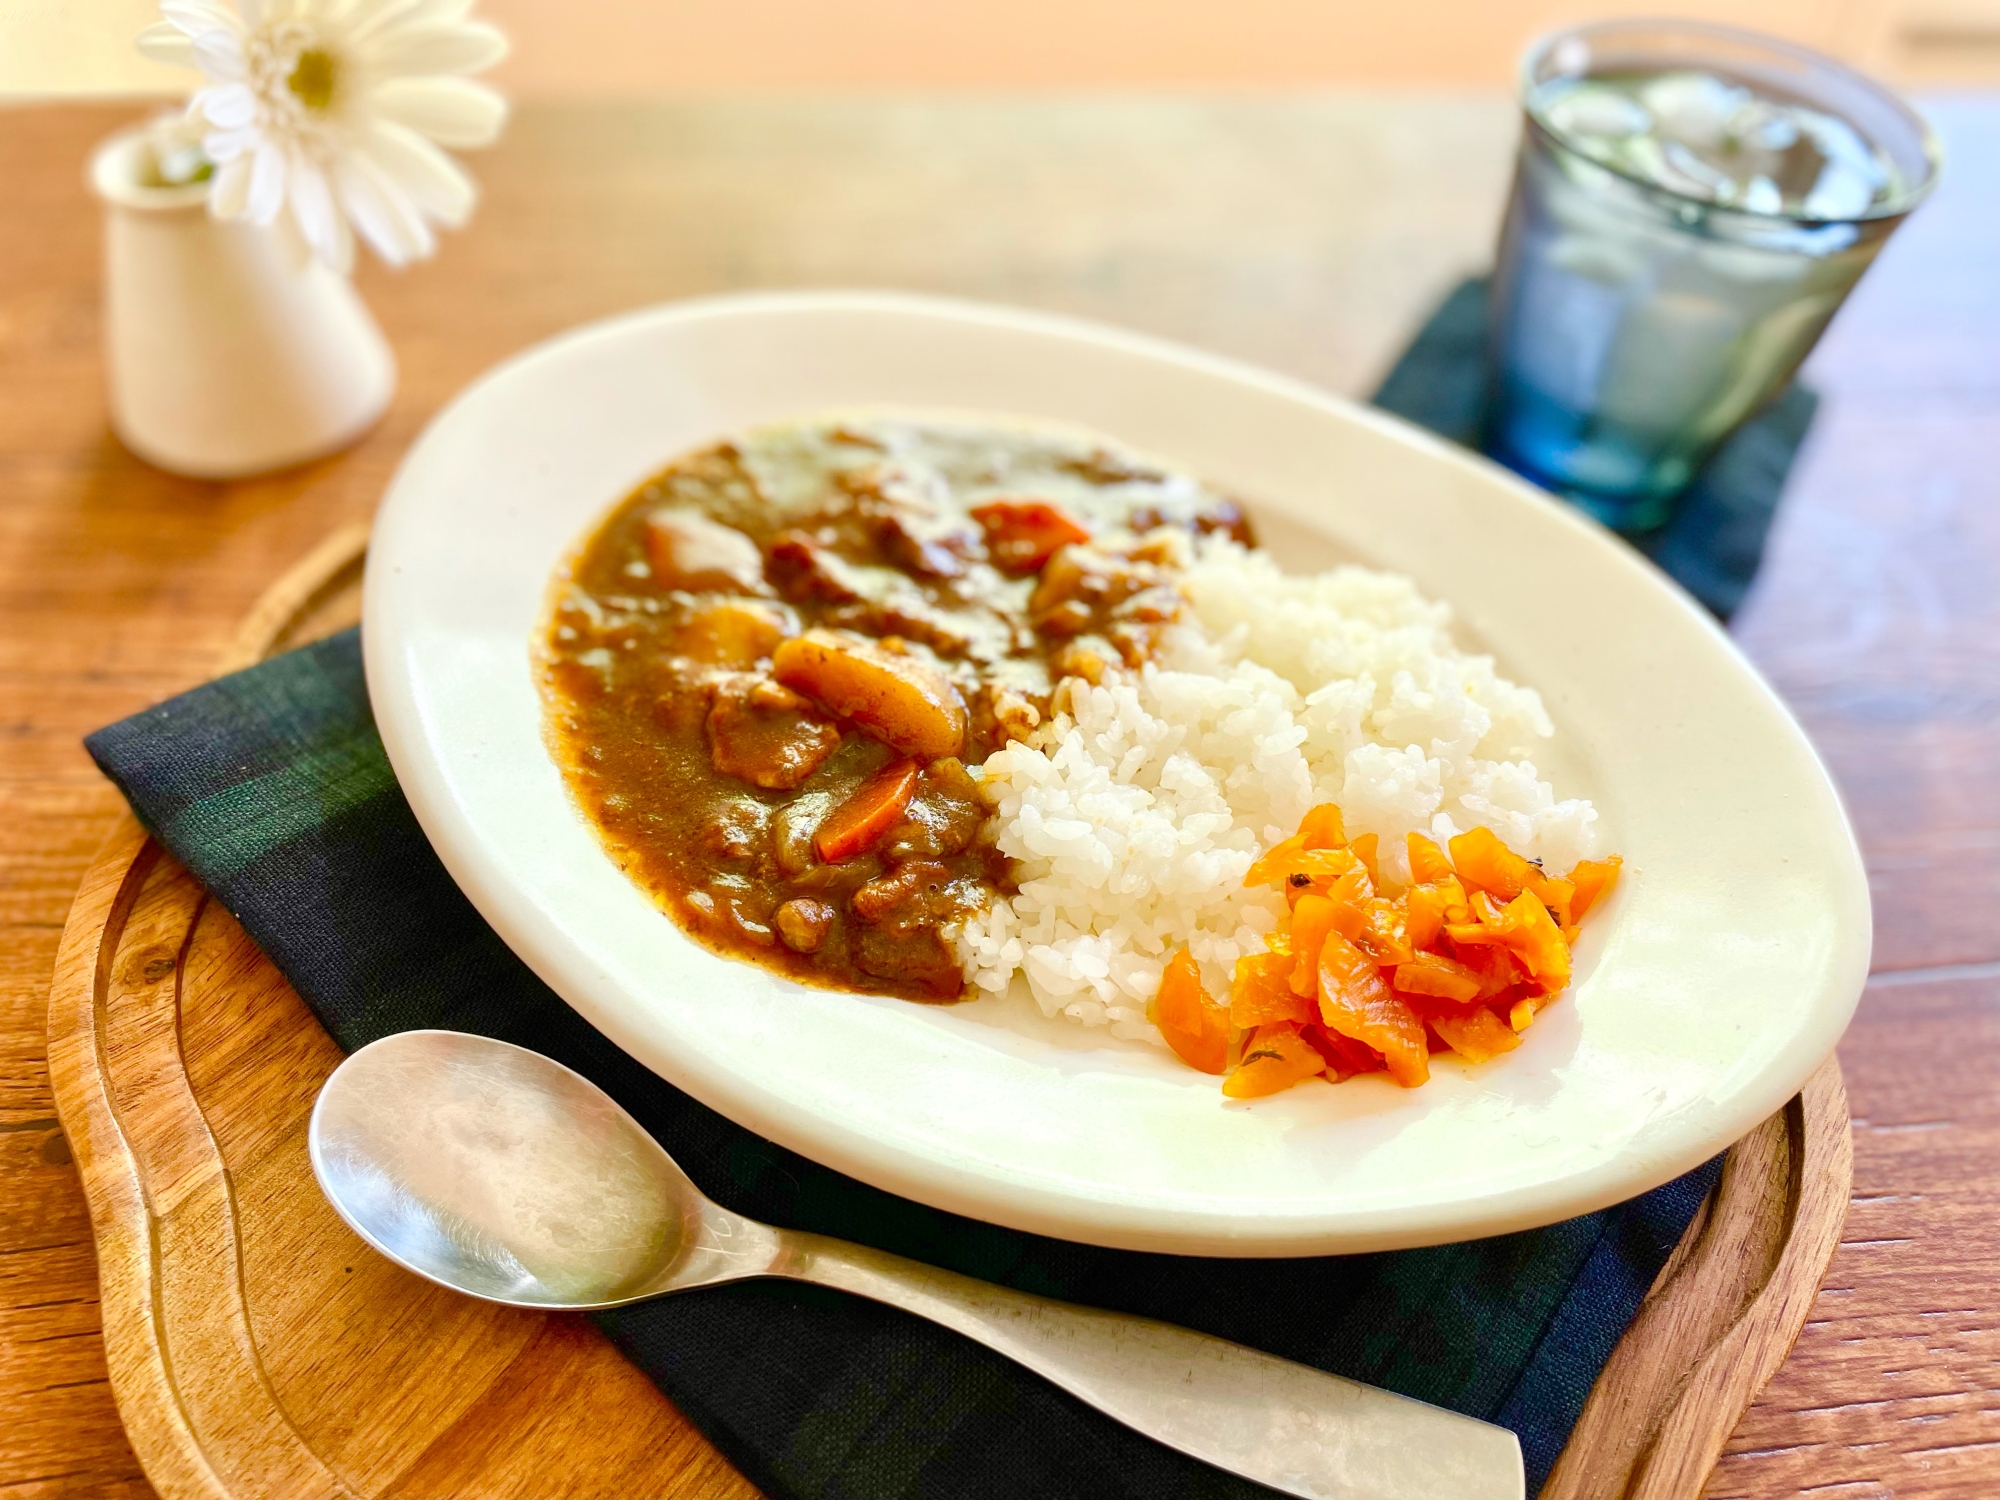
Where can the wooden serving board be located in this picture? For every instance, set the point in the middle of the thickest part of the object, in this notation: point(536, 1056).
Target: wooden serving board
point(257, 1348)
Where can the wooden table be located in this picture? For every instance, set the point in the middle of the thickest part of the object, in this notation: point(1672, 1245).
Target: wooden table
point(1308, 234)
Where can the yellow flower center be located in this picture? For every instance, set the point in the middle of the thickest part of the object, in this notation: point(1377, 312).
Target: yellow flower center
point(314, 78)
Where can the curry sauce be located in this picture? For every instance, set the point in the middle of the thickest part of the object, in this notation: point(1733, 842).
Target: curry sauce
point(771, 674)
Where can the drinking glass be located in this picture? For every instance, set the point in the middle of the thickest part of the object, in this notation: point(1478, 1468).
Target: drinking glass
point(1691, 204)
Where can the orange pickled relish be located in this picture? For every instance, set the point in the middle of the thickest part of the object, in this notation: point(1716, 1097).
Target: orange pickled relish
point(1427, 861)
point(1360, 978)
point(1261, 991)
point(1357, 1002)
point(1591, 879)
point(1193, 1024)
point(1275, 1056)
point(1434, 974)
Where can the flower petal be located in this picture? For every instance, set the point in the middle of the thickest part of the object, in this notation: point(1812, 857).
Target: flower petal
point(404, 51)
point(318, 219)
point(364, 16)
point(221, 146)
point(165, 42)
point(195, 17)
point(266, 194)
point(228, 106)
point(451, 111)
point(432, 181)
point(220, 55)
point(230, 187)
point(379, 212)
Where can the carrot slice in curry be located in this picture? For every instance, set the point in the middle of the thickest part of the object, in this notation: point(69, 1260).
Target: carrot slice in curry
point(1194, 1025)
point(1024, 534)
point(1356, 1001)
point(1274, 1057)
point(870, 811)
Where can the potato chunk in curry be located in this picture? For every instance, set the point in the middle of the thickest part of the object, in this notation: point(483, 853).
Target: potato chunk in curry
point(900, 700)
point(686, 550)
point(733, 633)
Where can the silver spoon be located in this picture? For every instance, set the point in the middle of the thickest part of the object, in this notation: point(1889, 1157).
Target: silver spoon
point(500, 1173)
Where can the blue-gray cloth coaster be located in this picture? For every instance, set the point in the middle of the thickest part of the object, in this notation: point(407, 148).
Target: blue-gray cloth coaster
point(272, 787)
point(1715, 540)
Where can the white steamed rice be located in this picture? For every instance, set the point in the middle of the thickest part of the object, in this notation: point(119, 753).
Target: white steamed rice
point(1136, 810)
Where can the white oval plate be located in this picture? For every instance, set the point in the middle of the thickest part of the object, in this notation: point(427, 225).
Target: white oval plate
point(1718, 978)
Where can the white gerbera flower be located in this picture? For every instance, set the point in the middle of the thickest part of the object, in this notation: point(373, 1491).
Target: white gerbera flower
point(337, 108)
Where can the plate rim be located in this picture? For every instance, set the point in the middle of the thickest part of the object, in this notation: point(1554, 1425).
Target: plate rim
point(1024, 1206)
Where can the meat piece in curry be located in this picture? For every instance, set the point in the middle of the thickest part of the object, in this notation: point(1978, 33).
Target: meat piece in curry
point(772, 672)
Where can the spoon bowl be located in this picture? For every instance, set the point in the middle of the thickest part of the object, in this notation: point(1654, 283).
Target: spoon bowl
point(502, 1174)
point(498, 1172)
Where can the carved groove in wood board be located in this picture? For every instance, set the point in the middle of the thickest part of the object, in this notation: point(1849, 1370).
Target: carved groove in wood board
point(161, 1433)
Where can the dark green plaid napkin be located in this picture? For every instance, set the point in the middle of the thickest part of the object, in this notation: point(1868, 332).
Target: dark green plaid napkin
point(271, 785)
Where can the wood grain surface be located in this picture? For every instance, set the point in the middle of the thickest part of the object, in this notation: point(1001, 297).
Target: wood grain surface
point(1308, 234)
point(257, 1346)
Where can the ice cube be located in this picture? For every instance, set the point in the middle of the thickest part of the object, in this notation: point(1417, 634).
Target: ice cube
point(1762, 196)
point(1840, 142)
point(1765, 126)
point(1693, 108)
point(1644, 157)
point(1838, 194)
point(1596, 111)
point(1688, 173)
point(1853, 175)
point(1716, 141)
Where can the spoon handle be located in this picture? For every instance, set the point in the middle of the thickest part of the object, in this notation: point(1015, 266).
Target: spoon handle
point(1282, 1424)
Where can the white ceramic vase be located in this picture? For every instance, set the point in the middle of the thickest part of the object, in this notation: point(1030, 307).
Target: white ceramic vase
point(230, 350)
